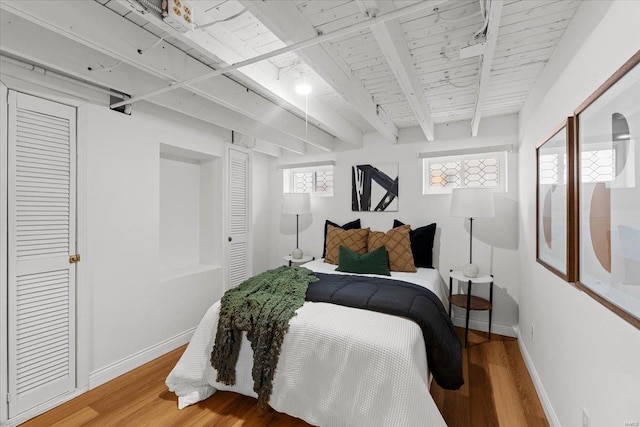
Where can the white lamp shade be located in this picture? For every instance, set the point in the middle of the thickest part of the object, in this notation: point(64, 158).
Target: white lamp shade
point(296, 203)
point(472, 202)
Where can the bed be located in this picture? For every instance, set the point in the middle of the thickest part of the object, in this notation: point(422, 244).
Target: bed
point(338, 366)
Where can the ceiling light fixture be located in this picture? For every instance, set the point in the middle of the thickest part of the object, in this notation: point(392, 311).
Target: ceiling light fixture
point(303, 88)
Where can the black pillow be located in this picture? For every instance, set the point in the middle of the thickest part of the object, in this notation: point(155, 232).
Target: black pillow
point(421, 243)
point(348, 226)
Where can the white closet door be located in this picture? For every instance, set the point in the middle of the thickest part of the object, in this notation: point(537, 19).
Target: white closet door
point(42, 227)
point(238, 218)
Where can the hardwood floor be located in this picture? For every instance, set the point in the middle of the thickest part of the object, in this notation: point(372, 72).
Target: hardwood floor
point(498, 392)
point(498, 389)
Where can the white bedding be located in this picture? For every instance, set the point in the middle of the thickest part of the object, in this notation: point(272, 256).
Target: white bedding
point(338, 366)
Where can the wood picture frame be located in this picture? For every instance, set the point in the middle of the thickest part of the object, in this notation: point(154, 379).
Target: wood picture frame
point(555, 201)
point(607, 127)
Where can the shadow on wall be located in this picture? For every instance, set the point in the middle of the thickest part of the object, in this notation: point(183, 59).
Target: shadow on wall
point(436, 248)
point(505, 307)
point(501, 230)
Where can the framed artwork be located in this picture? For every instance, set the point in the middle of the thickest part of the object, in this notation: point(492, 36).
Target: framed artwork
point(374, 188)
point(608, 214)
point(555, 244)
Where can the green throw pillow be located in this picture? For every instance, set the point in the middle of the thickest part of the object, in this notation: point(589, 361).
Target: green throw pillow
point(374, 262)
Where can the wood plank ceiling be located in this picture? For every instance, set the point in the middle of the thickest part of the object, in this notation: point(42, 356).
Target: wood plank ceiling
point(341, 104)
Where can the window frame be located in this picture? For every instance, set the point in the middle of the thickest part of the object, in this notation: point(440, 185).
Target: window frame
point(427, 189)
point(288, 180)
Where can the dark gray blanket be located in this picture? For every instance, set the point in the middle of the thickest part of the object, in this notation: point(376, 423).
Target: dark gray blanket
point(444, 351)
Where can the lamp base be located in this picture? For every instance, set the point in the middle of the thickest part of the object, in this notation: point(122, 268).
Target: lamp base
point(296, 253)
point(470, 270)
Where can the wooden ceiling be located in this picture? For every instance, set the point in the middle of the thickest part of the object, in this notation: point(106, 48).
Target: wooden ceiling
point(397, 74)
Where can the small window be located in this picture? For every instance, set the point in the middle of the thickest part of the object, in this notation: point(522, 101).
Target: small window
point(314, 180)
point(486, 170)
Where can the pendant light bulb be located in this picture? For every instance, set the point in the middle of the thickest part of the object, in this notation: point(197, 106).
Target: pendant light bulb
point(303, 88)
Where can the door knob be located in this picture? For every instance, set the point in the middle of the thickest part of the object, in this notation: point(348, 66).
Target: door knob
point(230, 238)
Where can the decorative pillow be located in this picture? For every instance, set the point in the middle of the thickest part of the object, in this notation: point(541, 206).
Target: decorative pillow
point(348, 226)
point(374, 262)
point(355, 240)
point(421, 243)
point(398, 246)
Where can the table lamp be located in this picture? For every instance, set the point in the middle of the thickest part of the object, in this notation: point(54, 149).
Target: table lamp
point(296, 204)
point(471, 203)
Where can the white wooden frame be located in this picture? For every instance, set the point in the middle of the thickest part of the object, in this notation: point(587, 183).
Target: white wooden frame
point(502, 171)
point(225, 214)
point(73, 95)
point(287, 179)
point(4, 407)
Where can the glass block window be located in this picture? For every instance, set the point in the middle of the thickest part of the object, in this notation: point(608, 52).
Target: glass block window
point(324, 181)
point(302, 182)
point(316, 180)
point(487, 170)
point(598, 165)
point(481, 172)
point(445, 174)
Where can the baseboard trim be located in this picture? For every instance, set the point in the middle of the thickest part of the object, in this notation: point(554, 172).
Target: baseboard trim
point(537, 382)
point(135, 360)
point(479, 325)
point(105, 374)
point(40, 409)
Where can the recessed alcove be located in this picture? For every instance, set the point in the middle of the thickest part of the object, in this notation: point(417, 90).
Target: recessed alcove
point(190, 214)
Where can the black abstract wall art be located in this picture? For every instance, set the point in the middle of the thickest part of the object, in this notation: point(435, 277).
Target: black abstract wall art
point(374, 188)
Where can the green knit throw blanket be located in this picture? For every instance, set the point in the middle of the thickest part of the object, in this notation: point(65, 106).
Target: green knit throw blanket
point(261, 306)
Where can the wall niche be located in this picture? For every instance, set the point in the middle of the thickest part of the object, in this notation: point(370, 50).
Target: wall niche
point(190, 212)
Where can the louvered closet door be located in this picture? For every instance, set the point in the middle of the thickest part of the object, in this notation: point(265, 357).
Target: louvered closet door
point(42, 141)
point(238, 218)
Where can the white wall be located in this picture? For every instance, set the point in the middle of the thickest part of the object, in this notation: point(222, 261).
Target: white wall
point(584, 355)
point(135, 307)
point(495, 239)
point(259, 227)
point(179, 214)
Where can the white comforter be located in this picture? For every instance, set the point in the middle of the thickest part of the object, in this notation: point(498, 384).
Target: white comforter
point(338, 366)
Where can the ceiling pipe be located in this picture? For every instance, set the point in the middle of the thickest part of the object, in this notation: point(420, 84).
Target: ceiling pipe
point(291, 48)
point(50, 73)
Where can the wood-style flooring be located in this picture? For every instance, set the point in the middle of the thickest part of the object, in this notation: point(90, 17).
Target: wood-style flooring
point(498, 389)
point(498, 392)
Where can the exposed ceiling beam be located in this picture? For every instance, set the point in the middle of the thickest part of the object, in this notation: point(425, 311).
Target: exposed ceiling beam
point(495, 12)
point(219, 44)
point(37, 45)
point(164, 61)
point(256, 144)
point(390, 38)
point(309, 42)
point(227, 46)
point(285, 20)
